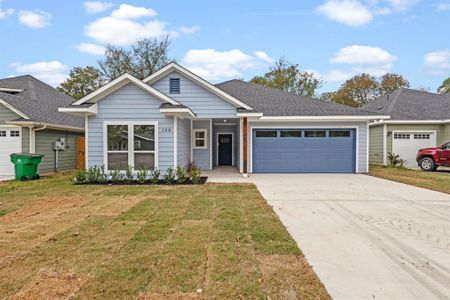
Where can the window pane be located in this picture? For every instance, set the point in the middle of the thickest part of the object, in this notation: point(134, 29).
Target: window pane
point(199, 143)
point(266, 133)
point(290, 133)
point(117, 137)
point(339, 133)
point(199, 134)
point(144, 161)
point(144, 137)
point(14, 133)
point(315, 133)
point(117, 161)
point(3, 133)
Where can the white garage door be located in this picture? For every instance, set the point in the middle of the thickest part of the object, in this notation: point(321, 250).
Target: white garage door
point(10, 142)
point(406, 144)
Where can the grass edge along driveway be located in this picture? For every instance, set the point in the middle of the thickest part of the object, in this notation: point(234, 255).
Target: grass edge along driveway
point(216, 241)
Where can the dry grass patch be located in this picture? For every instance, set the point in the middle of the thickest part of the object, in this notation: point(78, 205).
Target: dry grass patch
point(437, 181)
point(147, 242)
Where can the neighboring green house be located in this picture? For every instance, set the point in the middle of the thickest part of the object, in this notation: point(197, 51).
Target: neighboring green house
point(30, 123)
point(418, 120)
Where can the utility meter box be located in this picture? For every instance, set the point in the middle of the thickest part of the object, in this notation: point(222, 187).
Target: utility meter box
point(60, 144)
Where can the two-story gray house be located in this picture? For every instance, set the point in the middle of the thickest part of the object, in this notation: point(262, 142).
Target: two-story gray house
point(175, 116)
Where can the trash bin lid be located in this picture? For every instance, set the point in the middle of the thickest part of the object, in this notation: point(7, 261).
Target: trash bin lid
point(26, 155)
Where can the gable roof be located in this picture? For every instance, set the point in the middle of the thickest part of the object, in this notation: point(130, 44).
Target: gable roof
point(274, 102)
point(408, 104)
point(116, 84)
point(173, 66)
point(35, 101)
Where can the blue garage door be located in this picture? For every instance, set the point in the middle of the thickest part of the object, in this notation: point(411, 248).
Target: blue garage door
point(304, 150)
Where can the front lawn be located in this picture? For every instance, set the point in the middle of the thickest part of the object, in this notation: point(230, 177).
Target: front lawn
point(148, 242)
point(437, 181)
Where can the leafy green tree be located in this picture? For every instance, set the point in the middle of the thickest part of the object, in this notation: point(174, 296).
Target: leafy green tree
point(390, 82)
point(287, 77)
point(359, 90)
point(145, 58)
point(445, 87)
point(81, 81)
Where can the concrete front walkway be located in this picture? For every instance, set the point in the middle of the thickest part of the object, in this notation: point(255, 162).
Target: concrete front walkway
point(366, 238)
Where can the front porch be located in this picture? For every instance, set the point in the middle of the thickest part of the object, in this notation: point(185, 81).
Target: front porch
point(225, 174)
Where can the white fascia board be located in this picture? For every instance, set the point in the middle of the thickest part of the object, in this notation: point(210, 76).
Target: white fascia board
point(91, 110)
point(250, 114)
point(323, 118)
point(411, 122)
point(7, 105)
point(177, 110)
point(117, 84)
point(47, 125)
point(202, 82)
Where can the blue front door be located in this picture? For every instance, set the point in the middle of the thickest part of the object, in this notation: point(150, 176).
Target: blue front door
point(225, 148)
point(304, 150)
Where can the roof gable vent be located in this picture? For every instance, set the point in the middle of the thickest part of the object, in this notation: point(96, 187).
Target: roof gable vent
point(174, 85)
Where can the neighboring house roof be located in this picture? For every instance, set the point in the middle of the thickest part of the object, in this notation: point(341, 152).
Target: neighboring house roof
point(35, 101)
point(408, 104)
point(273, 102)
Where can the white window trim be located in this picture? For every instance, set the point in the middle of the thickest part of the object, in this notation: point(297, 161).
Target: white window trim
point(205, 131)
point(130, 150)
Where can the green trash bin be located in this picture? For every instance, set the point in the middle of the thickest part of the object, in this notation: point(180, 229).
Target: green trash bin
point(25, 165)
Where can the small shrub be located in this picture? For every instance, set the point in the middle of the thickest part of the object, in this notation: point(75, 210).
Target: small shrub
point(142, 175)
point(80, 177)
point(195, 176)
point(94, 174)
point(181, 174)
point(129, 174)
point(395, 160)
point(170, 175)
point(191, 165)
point(155, 176)
point(103, 178)
point(116, 176)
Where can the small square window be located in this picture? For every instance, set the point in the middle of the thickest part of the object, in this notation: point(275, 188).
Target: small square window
point(266, 133)
point(174, 85)
point(290, 133)
point(2, 133)
point(200, 139)
point(339, 133)
point(315, 133)
point(14, 133)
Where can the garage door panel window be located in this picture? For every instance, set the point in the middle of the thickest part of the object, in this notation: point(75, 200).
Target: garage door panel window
point(422, 136)
point(315, 133)
point(339, 133)
point(14, 133)
point(131, 145)
point(2, 133)
point(402, 136)
point(290, 133)
point(266, 134)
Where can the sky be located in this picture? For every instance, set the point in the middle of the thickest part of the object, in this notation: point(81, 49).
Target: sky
point(221, 40)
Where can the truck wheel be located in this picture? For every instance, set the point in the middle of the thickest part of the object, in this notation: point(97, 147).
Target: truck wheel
point(427, 164)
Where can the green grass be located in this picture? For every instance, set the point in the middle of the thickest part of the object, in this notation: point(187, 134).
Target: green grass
point(126, 242)
point(437, 181)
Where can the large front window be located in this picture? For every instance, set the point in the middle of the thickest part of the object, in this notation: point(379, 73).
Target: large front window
point(131, 145)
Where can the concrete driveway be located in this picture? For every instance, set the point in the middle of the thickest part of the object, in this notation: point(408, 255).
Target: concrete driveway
point(366, 238)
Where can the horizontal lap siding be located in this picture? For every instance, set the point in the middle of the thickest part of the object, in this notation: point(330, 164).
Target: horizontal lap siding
point(183, 142)
point(7, 115)
point(130, 103)
point(44, 145)
point(201, 101)
point(362, 162)
point(376, 145)
point(25, 140)
point(202, 156)
point(446, 135)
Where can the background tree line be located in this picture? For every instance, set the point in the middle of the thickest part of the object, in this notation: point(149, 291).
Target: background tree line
point(147, 56)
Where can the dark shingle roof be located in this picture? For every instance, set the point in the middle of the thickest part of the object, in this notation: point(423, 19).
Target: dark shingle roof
point(39, 101)
point(407, 104)
point(273, 102)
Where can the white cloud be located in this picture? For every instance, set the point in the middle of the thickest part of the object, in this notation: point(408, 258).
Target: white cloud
point(34, 19)
point(348, 12)
point(213, 65)
point(126, 11)
point(357, 54)
point(51, 72)
point(124, 26)
point(4, 13)
point(443, 6)
point(93, 7)
point(91, 48)
point(401, 5)
point(438, 62)
point(337, 75)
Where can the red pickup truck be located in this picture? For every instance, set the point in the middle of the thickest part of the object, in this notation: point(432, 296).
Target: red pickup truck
point(429, 159)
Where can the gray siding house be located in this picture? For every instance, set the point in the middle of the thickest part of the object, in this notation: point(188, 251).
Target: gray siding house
point(234, 123)
point(30, 123)
point(418, 120)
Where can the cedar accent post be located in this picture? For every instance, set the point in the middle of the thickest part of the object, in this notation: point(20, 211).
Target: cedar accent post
point(245, 144)
point(80, 153)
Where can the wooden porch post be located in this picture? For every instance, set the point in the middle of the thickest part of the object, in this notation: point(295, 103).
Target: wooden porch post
point(245, 145)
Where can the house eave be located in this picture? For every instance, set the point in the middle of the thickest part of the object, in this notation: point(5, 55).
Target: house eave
point(80, 111)
point(323, 118)
point(412, 122)
point(47, 125)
